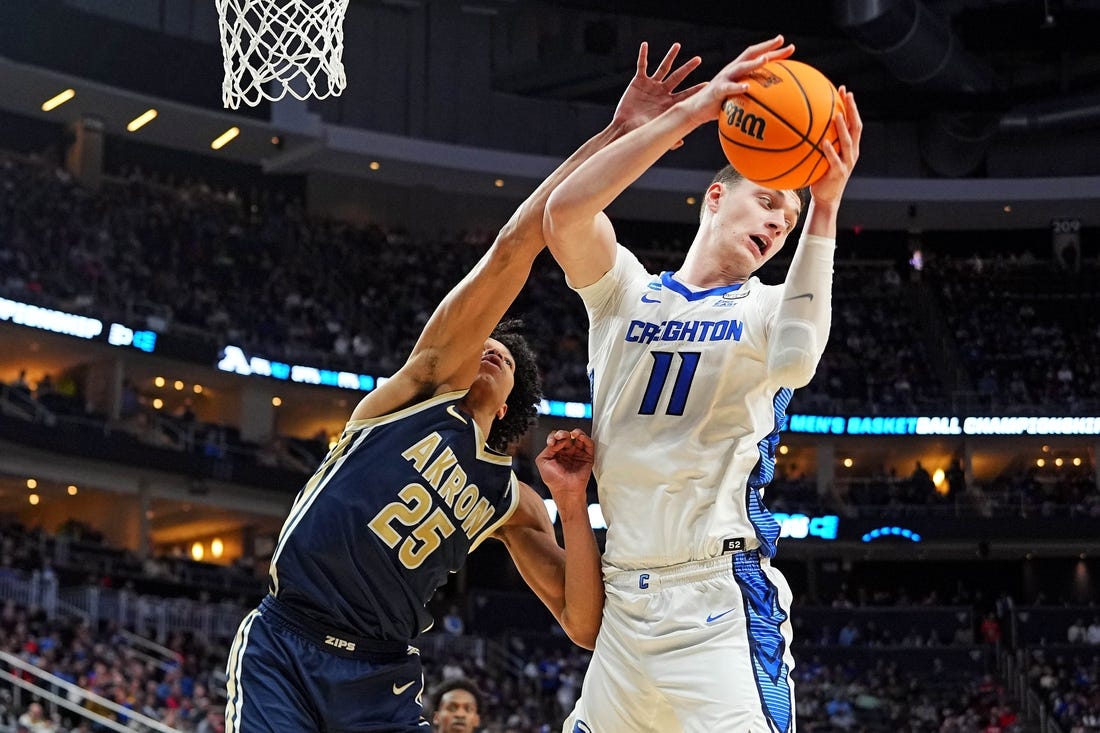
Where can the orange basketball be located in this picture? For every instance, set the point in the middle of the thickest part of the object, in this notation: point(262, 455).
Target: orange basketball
point(774, 133)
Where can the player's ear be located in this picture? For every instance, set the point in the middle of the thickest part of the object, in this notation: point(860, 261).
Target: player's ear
point(713, 195)
point(502, 411)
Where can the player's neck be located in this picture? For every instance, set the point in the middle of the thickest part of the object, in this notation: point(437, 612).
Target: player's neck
point(483, 415)
point(703, 269)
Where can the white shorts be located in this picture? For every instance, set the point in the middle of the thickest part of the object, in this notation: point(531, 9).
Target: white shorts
point(702, 647)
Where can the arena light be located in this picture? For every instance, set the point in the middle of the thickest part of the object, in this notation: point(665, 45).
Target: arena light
point(222, 140)
point(56, 101)
point(902, 532)
point(142, 120)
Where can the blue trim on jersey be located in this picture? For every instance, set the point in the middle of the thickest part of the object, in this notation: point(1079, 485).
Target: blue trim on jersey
point(765, 616)
point(767, 529)
point(689, 294)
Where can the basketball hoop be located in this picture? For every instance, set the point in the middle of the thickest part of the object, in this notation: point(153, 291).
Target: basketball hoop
point(272, 48)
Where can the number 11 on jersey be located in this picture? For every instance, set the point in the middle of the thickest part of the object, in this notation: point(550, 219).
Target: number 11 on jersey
point(685, 373)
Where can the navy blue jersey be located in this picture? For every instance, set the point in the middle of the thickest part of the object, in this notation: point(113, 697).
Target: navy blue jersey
point(394, 508)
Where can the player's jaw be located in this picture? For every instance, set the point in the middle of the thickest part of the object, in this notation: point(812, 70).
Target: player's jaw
point(495, 376)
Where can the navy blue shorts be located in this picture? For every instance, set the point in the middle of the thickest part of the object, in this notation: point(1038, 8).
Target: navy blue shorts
point(285, 675)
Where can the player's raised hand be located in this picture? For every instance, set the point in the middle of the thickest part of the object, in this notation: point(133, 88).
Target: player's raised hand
point(830, 187)
point(648, 95)
point(565, 464)
point(707, 104)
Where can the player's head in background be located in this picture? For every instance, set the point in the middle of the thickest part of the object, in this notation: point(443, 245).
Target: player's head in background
point(523, 399)
point(743, 224)
point(456, 706)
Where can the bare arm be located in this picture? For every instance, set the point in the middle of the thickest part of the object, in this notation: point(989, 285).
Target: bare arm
point(568, 581)
point(577, 231)
point(446, 356)
point(802, 323)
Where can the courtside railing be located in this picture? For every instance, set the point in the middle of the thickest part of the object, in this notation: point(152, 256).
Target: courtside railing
point(44, 684)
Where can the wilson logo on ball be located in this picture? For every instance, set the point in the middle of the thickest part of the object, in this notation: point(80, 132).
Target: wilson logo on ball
point(746, 122)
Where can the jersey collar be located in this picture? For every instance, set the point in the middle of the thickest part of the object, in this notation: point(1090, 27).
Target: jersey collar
point(668, 281)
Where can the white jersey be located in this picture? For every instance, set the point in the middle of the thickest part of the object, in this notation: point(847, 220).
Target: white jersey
point(686, 419)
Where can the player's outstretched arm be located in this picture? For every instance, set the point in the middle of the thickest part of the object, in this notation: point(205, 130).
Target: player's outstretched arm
point(447, 354)
point(578, 233)
point(567, 580)
point(802, 322)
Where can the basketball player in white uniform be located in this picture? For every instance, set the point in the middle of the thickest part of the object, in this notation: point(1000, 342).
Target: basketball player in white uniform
point(692, 372)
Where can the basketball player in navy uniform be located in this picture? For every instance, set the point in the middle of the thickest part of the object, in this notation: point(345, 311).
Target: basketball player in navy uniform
point(416, 481)
point(692, 371)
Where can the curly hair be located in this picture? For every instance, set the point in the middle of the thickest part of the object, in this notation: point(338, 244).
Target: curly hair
point(526, 392)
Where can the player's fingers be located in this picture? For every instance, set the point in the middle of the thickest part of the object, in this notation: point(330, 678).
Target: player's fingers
point(781, 53)
point(685, 93)
point(849, 127)
point(555, 437)
point(643, 59)
point(855, 121)
point(681, 73)
point(666, 62)
point(761, 48)
point(832, 157)
point(724, 91)
point(843, 131)
point(581, 440)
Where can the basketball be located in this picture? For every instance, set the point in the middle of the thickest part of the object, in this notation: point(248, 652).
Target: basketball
point(774, 134)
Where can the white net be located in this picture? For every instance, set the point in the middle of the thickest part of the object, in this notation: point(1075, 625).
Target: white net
point(272, 48)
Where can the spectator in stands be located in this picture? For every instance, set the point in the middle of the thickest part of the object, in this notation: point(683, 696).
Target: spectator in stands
point(1092, 635)
point(34, 720)
point(849, 635)
point(1077, 633)
point(456, 707)
point(921, 487)
point(21, 384)
point(956, 480)
point(453, 623)
point(990, 629)
point(44, 387)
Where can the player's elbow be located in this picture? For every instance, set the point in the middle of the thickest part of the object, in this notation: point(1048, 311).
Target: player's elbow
point(793, 354)
point(582, 632)
point(557, 217)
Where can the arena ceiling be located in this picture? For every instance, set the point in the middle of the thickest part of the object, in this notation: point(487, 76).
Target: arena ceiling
point(965, 72)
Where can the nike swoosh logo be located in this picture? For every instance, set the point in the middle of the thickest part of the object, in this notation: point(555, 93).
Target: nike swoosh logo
point(712, 619)
point(398, 690)
point(647, 299)
point(454, 413)
point(804, 295)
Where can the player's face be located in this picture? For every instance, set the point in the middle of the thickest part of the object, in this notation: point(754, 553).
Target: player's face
point(457, 713)
point(498, 368)
point(752, 222)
